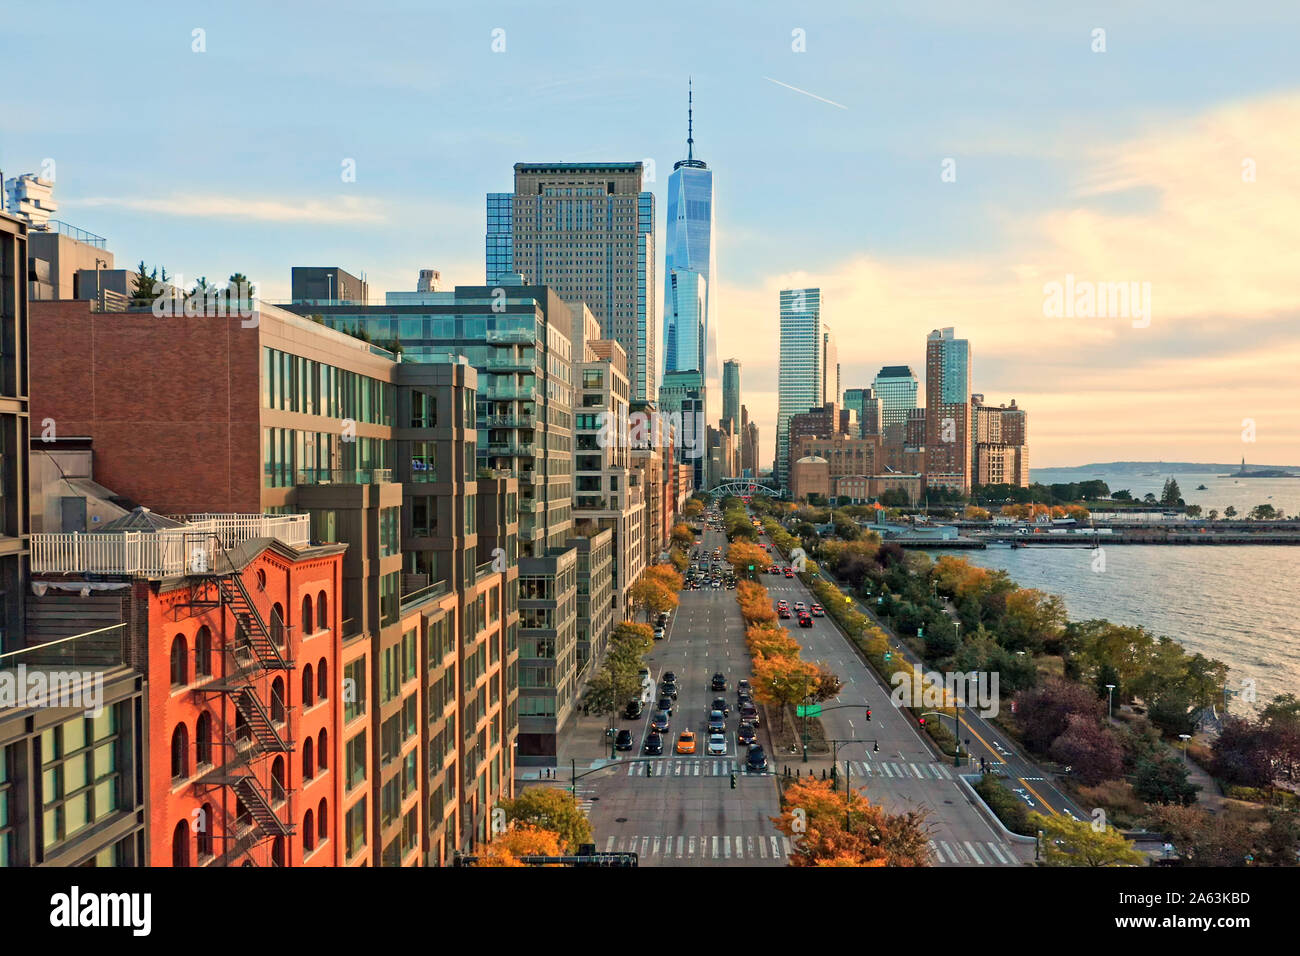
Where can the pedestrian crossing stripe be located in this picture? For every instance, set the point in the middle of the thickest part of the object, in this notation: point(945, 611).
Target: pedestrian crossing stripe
point(703, 847)
point(971, 853)
point(687, 767)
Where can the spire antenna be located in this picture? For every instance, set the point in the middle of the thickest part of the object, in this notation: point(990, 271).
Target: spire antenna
point(690, 120)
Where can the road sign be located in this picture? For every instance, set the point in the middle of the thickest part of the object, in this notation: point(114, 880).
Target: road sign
point(808, 710)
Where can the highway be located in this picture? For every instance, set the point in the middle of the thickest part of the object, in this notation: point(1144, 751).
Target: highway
point(904, 774)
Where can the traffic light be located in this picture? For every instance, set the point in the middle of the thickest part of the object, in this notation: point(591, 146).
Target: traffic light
point(875, 746)
point(868, 713)
point(648, 771)
point(733, 780)
point(921, 721)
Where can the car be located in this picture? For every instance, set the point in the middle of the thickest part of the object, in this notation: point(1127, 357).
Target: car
point(789, 573)
point(818, 611)
point(774, 570)
point(686, 742)
point(717, 745)
point(743, 687)
point(670, 677)
point(800, 606)
point(624, 740)
point(782, 603)
point(654, 745)
point(783, 612)
point(666, 705)
point(720, 703)
point(717, 722)
point(635, 708)
point(717, 583)
point(660, 722)
point(742, 700)
point(661, 620)
point(719, 682)
point(756, 759)
point(668, 688)
point(731, 585)
point(659, 633)
point(749, 713)
point(745, 735)
point(805, 619)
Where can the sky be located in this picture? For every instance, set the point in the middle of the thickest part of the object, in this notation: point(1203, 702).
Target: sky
point(926, 164)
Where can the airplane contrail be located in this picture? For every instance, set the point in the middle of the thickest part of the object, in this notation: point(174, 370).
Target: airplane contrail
point(806, 93)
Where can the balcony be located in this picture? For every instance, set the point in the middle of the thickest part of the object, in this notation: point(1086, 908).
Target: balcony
point(416, 598)
point(511, 336)
point(518, 449)
point(513, 363)
point(345, 476)
point(191, 548)
point(509, 392)
point(521, 420)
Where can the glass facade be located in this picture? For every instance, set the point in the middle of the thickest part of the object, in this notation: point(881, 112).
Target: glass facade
point(801, 376)
point(896, 386)
point(500, 235)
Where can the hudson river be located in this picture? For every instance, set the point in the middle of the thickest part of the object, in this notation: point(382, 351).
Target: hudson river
point(1236, 604)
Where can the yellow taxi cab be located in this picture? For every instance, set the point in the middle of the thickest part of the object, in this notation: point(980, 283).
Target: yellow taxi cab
point(686, 742)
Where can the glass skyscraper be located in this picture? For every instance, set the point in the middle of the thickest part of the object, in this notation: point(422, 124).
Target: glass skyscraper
point(690, 268)
point(802, 378)
point(731, 394)
point(500, 235)
point(896, 386)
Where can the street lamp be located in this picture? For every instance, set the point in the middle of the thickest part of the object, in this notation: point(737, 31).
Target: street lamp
point(1110, 696)
point(1184, 738)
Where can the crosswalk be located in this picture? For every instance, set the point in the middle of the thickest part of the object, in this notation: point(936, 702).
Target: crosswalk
point(695, 767)
point(971, 853)
point(666, 847)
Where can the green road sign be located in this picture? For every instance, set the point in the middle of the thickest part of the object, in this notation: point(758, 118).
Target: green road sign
point(888, 655)
point(808, 710)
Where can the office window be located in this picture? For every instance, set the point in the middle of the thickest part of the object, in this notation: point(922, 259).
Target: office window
point(424, 410)
point(389, 531)
point(424, 461)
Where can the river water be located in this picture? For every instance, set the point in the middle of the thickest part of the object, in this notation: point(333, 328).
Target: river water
point(1241, 493)
point(1238, 604)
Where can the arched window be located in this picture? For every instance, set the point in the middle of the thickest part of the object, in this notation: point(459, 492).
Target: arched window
point(278, 791)
point(180, 662)
point(308, 759)
point(180, 752)
point(277, 852)
point(181, 844)
point(322, 821)
point(308, 686)
point(309, 831)
point(322, 680)
point(277, 700)
point(203, 739)
point(308, 618)
point(261, 579)
point(322, 612)
point(323, 750)
point(204, 837)
point(277, 624)
point(203, 652)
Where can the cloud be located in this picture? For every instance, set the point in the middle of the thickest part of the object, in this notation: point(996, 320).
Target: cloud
point(348, 209)
point(1218, 253)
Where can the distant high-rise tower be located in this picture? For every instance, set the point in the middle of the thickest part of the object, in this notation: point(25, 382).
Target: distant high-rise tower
point(429, 281)
point(690, 267)
point(947, 411)
point(867, 404)
point(896, 386)
point(731, 394)
point(802, 378)
point(586, 230)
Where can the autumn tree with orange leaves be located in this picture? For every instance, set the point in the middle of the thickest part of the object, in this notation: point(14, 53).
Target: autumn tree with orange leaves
point(520, 840)
point(827, 828)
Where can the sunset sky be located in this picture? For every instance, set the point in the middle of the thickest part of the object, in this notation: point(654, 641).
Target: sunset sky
point(1169, 160)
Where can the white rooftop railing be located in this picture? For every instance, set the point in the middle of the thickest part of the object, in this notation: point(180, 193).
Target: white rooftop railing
point(190, 549)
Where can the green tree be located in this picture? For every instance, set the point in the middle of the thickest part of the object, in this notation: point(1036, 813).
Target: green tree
point(551, 808)
point(142, 284)
point(1230, 512)
point(1171, 495)
point(240, 288)
point(1163, 780)
point(1080, 845)
point(1263, 512)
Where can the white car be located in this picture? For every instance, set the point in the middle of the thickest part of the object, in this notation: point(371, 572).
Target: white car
point(717, 745)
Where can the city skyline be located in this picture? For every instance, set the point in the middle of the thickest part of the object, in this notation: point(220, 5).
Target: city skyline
point(1023, 211)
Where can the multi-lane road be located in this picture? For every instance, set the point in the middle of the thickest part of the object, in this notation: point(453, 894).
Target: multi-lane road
point(687, 814)
point(904, 773)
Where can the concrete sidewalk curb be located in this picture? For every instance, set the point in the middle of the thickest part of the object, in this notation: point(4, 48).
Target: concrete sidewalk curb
point(987, 811)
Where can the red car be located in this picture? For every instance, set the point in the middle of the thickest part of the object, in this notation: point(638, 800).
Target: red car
point(783, 612)
point(774, 570)
point(789, 573)
point(817, 611)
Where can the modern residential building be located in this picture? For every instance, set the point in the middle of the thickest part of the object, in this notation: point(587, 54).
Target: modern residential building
point(999, 442)
point(947, 411)
point(749, 455)
point(587, 231)
point(327, 285)
point(681, 402)
point(731, 395)
point(830, 366)
point(14, 425)
point(869, 409)
point(802, 376)
point(289, 417)
point(595, 607)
